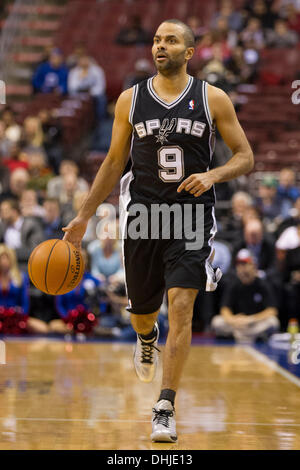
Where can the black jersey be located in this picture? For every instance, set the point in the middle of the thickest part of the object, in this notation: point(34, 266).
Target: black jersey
point(170, 142)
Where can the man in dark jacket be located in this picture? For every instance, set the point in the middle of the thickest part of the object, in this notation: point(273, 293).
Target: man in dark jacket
point(261, 247)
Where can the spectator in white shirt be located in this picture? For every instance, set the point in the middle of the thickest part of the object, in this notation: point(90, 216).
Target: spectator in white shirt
point(88, 77)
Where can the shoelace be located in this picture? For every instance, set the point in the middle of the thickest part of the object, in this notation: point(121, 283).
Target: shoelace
point(147, 352)
point(162, 416)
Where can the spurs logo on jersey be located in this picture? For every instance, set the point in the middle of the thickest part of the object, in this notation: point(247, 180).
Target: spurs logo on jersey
point(186, 126)
point(165, 129)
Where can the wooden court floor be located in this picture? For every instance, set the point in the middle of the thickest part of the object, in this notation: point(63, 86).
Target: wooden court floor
point(58, 395)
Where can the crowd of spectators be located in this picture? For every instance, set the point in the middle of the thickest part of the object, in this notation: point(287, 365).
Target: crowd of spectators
point(258, 240)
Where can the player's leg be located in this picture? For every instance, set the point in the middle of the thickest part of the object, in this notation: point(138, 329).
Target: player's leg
point(181, 303)
point(146, 350)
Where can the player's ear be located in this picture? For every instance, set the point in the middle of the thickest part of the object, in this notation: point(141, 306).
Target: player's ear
point(189, 53)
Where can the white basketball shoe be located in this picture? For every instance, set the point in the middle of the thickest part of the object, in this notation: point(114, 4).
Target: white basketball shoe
point(163, 422)
point(146, 357)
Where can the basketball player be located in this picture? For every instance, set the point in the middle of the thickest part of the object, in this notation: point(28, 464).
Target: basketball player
point(167, 124)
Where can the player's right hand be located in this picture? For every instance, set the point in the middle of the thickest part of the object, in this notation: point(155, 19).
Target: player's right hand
point(75, 231)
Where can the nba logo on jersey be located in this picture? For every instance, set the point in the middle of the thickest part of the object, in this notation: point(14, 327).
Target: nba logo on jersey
point(192, 104)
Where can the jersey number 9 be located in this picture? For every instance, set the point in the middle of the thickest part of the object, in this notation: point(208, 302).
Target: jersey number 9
point(171, 160)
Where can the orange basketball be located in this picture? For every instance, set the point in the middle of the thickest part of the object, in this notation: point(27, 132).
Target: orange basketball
point(55, 267)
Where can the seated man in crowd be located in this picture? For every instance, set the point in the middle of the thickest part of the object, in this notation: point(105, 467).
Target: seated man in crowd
point(248, 309)
point(89, 77)
point(260, 246)
point(51, 76)
point(56, 184)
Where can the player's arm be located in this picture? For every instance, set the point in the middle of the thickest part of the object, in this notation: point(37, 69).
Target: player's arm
point(242, 161)
point(109, 173)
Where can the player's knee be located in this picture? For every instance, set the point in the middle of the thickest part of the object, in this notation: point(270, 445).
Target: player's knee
point(143, 324)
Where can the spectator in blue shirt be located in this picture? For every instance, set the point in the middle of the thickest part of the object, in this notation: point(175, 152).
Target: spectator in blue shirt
point(287, 190)
point(51, 76)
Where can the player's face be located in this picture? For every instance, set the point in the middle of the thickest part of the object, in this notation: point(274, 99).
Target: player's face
point(169, 49)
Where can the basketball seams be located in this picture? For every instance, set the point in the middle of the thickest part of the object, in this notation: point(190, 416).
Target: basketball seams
point(67, 272)
point(46, 270)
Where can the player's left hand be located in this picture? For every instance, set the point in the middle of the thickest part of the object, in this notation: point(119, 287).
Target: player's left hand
point(197, 183)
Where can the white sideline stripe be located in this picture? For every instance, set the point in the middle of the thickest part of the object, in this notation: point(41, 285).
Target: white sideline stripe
point(146, 421)
point(273, 365)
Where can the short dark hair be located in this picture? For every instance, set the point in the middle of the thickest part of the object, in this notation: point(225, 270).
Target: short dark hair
point(188, 34)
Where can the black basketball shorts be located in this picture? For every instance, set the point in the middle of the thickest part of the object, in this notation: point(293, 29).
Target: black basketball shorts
point(155, 265)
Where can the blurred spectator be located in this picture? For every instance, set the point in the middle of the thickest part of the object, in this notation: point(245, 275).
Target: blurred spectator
point(5, 143)
point(253, 34)
point(18, 182)
point(78, 52)
point(12, 129)
point(204, 49)
point(268, 202)
point(88, 77)
point(52, 219)
point(292, 218)
point(55, 185)
point(52, 139)
point(287, 190)
point(68, 189)
point(22, 234)
point(51, 76)
point(196, 26)
point(260, 245)
point(233, 17)
point(292, 15)
point(265, 13)
point(39, 173)
point(33, 136)
point(231, 227)
point(248, 309)
point(16, 158)
point(29, 204)
point(133, 33)
point(13, 284)
point(238, 70)
point(14, 294)
point(281, 36)
point(142, 71)
point(105, 258)
point(226, 37)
